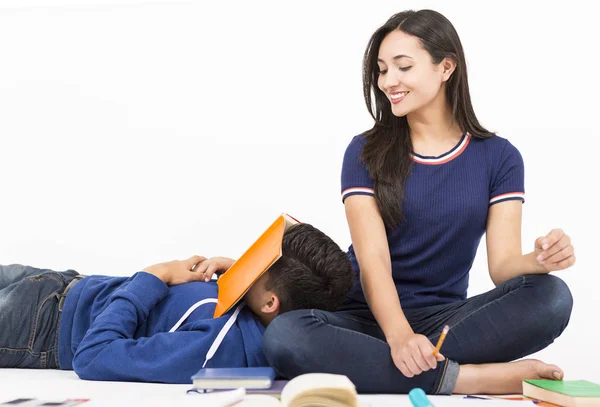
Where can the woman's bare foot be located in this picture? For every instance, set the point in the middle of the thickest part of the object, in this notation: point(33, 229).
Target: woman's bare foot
point(503, 378)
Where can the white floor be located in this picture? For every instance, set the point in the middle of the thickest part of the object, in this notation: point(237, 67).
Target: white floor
point(51, 385)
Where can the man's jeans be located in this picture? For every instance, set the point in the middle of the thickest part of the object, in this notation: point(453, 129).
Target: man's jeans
point(517, 318)
point(29, 315)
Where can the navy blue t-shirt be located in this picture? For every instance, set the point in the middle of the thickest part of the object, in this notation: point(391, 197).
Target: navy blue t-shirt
point(446, 201)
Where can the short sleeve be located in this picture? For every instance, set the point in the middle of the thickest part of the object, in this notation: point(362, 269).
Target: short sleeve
point(509, 178)
point(355, 177)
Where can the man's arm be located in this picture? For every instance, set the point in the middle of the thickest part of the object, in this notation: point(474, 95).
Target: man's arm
point(109, 351)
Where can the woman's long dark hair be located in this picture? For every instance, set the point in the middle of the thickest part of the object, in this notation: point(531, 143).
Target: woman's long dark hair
point(387, 151)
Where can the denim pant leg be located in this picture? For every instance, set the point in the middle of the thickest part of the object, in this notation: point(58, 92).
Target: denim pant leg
point(306, 341)
point(16, 272)
point(29, 315)
point(519, 317)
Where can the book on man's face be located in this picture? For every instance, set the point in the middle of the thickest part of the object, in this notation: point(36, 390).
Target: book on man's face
point(233, 378)
point(252, 264)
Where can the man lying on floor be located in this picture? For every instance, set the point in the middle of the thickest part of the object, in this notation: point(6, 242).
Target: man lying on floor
point(158, 325)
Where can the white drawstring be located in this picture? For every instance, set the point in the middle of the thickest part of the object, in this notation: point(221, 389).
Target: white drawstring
point(217, 342)
point(190, 310)
point(215, 345)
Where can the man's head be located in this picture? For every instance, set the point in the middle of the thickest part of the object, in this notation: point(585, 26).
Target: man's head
point(313, 272)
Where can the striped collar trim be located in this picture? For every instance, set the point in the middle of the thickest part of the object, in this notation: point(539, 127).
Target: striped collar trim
point(444, 158)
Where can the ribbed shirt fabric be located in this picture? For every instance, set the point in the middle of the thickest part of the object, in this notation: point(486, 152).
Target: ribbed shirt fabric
point(446, 202)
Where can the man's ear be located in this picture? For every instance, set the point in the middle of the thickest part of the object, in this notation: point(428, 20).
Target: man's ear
point(448, 67)
point(272, 305)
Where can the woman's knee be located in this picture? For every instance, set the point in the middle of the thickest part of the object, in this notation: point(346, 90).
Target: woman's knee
point(286, 341)
point(553, 297)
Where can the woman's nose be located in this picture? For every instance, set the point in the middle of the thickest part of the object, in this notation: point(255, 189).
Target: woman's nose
point(391, 80)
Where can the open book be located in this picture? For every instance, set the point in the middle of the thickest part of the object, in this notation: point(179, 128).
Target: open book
point(568, 393)
point(310, 389)
point(236, 281)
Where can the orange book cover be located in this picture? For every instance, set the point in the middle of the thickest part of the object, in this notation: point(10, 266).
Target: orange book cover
point(265, 251)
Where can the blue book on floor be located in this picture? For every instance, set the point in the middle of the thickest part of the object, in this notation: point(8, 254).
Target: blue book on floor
point(233, 378)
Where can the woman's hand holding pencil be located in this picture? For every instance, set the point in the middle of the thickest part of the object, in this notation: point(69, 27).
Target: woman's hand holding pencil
point(416, 354)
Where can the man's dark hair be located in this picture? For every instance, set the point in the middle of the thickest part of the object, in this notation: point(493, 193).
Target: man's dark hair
point(313, 272)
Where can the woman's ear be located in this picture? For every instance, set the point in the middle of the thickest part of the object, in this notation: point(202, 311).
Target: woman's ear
point(448, 67)
point(272, 305)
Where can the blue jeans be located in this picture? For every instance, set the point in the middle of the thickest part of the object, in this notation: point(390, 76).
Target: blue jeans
point(29, 315)
point(517, 318)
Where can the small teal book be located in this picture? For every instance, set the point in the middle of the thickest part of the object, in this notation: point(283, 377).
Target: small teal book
point(233, 378)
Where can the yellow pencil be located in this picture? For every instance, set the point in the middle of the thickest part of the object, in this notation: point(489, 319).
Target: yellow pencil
point(441, 341)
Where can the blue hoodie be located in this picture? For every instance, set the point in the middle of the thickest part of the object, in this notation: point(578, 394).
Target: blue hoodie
point(139, 329)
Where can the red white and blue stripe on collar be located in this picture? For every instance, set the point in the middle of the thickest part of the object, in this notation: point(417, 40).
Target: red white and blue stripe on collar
point(444, 158)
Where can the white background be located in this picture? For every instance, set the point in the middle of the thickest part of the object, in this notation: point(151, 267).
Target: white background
point(136, 132)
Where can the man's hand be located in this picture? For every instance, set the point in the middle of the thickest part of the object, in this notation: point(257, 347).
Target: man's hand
point(414, 355)
point(213, 265)
point(177, 271)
